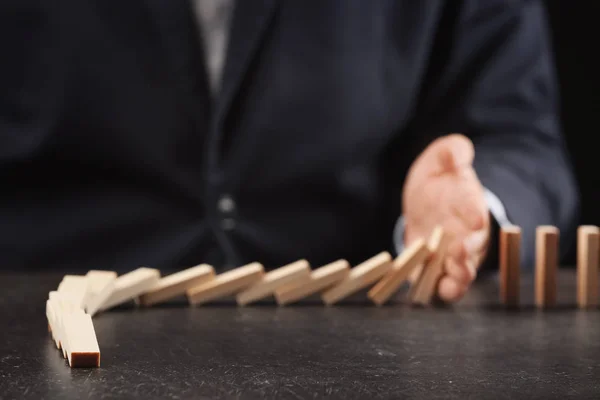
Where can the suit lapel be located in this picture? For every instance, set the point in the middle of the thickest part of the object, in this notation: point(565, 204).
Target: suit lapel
point(249, 25)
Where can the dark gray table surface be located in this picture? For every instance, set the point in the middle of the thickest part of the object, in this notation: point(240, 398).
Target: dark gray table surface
point(475, 349)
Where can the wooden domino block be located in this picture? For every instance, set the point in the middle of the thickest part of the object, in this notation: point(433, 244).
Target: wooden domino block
point(52, 309)
point(80, 340)
point(101, 285)
point(588, 247)
point(510, 265)
point(359, 278)
point(177, 284)
point(546, 265)
point(298, 271)
point(61, 305)
point(226, 284)
point(131, 285)
point(320, 279)
point(426, 286)
point(411, 258)
point(76, 287)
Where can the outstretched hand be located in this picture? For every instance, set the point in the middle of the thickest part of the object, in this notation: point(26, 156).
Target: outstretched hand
point(442, 188)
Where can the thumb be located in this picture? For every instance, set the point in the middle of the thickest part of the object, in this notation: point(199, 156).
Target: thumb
point(454, 152)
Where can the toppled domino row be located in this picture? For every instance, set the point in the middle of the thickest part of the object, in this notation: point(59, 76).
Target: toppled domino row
point(78, 298)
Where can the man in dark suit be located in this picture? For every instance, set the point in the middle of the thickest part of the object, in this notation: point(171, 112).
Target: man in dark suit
point(168, 133)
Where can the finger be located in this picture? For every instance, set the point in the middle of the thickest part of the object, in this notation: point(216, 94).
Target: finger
point(477, 242)
point(450, 290)
point(462, 271)
point(454, 152)
point(459, 263)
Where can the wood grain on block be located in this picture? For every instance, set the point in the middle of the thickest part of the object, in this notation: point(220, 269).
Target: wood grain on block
point(226, 284)
point(298, 271)
point(510, 265)
point(76, 287)
point(81, 342)
point(426, 286)
point(359, 278)
point(100, 286)
point(411, 258)
point(177, 284)
point(131, 285)
point(546, 265)
point(320, 279)
point(588, 248)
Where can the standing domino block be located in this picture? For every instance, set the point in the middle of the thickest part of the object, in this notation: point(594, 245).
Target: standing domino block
point(359, 278)
point(298, 271)
point(226, 284)
point(101, 285)
point(588, 247)
point(510, 265)
point(411, 258)
point(546, 265)
point(320, 279)
point(82, 345)
point(177, 284)
point(132, 285)
point(427, 284)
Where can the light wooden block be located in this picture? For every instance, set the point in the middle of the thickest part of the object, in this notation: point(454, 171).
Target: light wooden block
point(62, 304)
point(131, 285)
point(426, 286)
point(298, 271)
point(546, 265)
point(510, 265)
point(588, 248)
point(360, 277)
point(51, 316)
point(226, 284)
point(76, 286)
point(177, 284)
point(100, 287)
point(403, 266)
point(81, 342)
point(319, 280)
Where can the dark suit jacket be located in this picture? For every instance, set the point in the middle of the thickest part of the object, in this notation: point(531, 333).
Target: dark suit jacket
point(114, 155)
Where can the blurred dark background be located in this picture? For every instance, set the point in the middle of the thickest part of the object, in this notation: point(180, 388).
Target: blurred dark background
point(576, 30)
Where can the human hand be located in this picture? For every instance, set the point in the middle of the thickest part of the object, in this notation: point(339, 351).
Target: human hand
point(442, 188)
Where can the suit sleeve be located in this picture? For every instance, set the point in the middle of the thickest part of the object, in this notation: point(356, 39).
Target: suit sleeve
point(493, 80)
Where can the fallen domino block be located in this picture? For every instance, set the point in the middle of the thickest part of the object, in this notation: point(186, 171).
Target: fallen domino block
point(546, 266)
point(226, 284)
point(61, 304)
point(298, 271)
point(76, 286)
point(131, 285)
point(320, 279)
point(414, 256)
point(588, 247)
point(510, 265)
point(359, 278)
point(52, 309)
point(80, 339)
point(177, 284)
point(427, 284)
point(100, 287)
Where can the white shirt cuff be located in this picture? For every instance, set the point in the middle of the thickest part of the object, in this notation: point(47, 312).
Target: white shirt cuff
point(494, 205)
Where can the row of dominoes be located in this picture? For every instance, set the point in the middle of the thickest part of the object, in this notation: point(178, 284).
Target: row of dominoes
point(78, 298)
point(546, 265)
